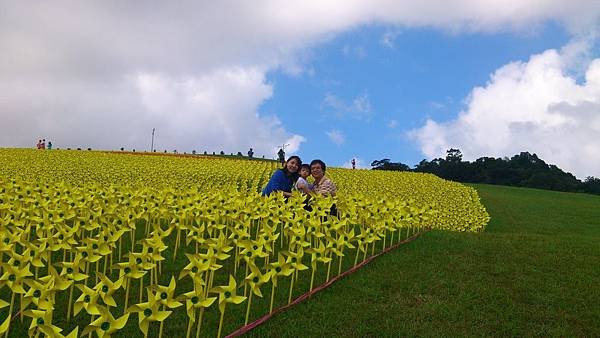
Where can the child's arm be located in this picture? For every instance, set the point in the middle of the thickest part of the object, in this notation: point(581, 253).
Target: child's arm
point(302, 186)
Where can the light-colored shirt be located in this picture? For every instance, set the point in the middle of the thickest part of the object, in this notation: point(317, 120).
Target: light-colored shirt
point(325, 187)
point(302, 182)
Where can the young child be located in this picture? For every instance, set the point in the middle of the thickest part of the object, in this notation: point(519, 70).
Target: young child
point(302, 184)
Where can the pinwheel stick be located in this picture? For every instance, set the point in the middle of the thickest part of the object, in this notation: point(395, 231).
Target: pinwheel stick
point(272, 298)
point(90, 334)
point(340, 263)
point(86, 270)
point(162, 324)
point(199, 322)
point(126, 294)
point(246, 285)
point(291, 288)
point(312, 277)
point(142, 287)
point(248, 309)
point(70, 302)
point(176, 244)
point(357, 251)
point(10, 310)
point(133, 238)
point(97, 270)
point(105, 262)
point(221, 322)
point(189, 328)
point(21, 310)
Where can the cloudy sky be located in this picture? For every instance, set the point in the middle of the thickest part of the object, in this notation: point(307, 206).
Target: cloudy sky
point(336, 80)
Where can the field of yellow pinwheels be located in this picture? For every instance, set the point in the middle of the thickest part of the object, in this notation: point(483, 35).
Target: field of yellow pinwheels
point(103, 244)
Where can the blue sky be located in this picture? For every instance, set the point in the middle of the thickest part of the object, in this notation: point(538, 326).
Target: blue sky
point(335, 79)
point(418, 74)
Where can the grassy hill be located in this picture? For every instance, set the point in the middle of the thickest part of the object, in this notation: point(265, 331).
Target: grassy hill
point(535, 271)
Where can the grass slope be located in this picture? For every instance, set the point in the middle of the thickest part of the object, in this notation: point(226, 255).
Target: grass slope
point(535, 271)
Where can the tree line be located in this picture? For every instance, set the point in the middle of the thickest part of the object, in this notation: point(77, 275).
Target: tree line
point(522, 170)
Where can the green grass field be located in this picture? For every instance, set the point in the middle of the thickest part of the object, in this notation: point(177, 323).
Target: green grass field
point(535, 271)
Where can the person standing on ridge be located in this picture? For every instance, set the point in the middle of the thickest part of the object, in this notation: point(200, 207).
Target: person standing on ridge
point(281, 155)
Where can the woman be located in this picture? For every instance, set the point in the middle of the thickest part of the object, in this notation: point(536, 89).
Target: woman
point(283, 179)
point(323, 185)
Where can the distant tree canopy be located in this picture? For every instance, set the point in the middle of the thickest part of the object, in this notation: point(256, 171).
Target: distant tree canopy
point(385, 164)
point(522, 170)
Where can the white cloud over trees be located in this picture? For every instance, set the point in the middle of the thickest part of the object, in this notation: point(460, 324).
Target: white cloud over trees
point(536, 106)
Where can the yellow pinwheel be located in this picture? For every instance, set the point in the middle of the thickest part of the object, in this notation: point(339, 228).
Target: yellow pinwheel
point(295, 261)
point(195, 268)
point(297, 237)
point(15, 276)
point(106, 325)
point(41, 322)
point(129, 270)
point(164, 295)
point(277, 269)
point(149, 312)
point(227, 295)
point(195, 300)
point(106, 288)
point(344, 240)
point(255, 280)
point(317, 254)
point(72, 270)
point(36, 254)
point(222, 247)
point(40, 294)
point(88, 301)
point(144, 262)
point(59, 282)
point(251, 251)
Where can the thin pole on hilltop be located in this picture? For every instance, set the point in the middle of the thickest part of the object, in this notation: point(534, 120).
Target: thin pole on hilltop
point(152, 145)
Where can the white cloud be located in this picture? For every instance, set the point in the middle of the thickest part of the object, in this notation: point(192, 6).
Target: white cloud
point(358, 52)
point(359, 108)
point(530, 106)
point(388, 39)
point(336, 136)
point(360, 164)
point(392, 124)
point(102, 74)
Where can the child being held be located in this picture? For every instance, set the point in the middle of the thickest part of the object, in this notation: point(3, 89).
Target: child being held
point(302, 184)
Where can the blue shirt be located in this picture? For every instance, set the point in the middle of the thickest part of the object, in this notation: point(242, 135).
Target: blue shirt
point(279, 182)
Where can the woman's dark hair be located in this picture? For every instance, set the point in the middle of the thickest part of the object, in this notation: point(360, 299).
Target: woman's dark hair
point(321, 163)
point(297, 158)
point(305, 166)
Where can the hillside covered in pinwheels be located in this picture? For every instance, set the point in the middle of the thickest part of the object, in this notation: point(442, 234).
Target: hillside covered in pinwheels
point(104, 244)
